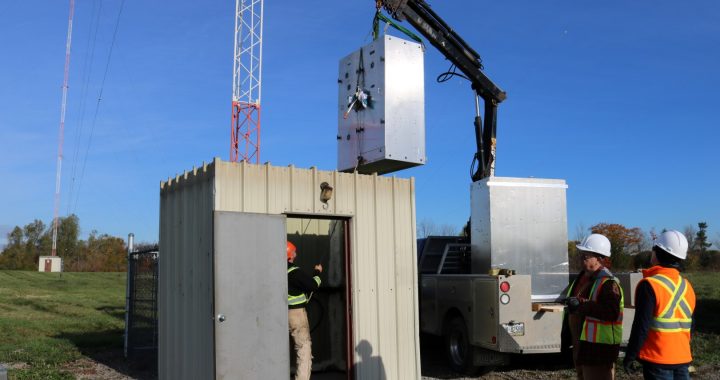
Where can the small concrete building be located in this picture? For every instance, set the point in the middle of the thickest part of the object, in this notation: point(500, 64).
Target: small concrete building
point(50, 264)
point(223, 274)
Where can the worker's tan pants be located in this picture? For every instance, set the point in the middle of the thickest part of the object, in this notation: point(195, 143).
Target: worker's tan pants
point(300, 332)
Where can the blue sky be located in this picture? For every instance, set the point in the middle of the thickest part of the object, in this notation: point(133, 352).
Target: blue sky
point(618, 98)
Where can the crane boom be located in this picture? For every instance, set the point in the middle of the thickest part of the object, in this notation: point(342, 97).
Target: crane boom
point(419, 14)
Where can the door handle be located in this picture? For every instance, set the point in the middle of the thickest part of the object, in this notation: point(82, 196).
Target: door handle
point(221, 317)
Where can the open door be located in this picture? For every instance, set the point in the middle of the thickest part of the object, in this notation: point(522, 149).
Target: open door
point(250, 309)
point(325, 241)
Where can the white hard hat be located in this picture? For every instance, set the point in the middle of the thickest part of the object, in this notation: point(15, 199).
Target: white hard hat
point(674, 243)
point(595, 243)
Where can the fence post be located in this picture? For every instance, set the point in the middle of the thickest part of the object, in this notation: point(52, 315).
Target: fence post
point(131, 241)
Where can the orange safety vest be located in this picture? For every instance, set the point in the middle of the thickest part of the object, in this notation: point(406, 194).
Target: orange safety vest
point(668, 340)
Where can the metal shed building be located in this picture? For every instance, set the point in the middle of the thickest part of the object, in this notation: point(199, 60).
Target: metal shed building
point(223, 281)
point(50, 264)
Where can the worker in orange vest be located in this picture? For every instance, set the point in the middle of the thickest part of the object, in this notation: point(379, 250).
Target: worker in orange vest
point(665, 301)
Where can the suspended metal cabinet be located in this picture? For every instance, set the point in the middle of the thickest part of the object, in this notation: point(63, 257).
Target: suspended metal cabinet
point(381, 107)
point(223, 282)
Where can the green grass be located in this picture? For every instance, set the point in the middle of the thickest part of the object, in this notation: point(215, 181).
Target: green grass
point(706, 337)
point(48, 320)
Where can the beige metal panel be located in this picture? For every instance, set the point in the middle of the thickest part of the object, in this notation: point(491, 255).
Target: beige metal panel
point(185, 304)
point(364, 269)
point(385, 296)
point(254, 187)
point(406, 297)
point(302, 194)
point(228, 184)
point(344, 193)
point(386, 275)
point(278, 191)
point(246, 187)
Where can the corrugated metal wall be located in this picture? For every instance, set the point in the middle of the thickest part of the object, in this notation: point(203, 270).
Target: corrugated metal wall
point(383, 254)
point(185, 329)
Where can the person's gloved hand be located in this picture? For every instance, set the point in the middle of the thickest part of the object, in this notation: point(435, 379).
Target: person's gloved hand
point(630, 366)
point(573, 304)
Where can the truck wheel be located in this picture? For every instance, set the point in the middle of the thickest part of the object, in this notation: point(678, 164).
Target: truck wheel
point(458, 349)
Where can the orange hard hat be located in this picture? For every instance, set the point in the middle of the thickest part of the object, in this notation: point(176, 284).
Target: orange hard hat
point(290, 249)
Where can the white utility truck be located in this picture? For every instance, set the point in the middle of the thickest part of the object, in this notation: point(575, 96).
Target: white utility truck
point(498, 291)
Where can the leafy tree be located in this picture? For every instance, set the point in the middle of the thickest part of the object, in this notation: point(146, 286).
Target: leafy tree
point(15, 237)
point(707, 259)
point(701, 239)
point(24, 247)
point(106, 253)
point(67, 238)
point(11, 257)
point(690, 233)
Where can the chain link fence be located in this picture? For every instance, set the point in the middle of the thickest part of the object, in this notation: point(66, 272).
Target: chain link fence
point(141, 325)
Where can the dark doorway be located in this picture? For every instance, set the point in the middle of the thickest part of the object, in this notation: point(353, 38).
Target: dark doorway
point(326, 242)
point(48, 265)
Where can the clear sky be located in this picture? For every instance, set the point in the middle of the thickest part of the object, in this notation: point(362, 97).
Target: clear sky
point(618, 98)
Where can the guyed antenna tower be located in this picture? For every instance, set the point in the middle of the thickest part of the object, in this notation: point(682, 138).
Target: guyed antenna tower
point(247, 79)
point(63, 106)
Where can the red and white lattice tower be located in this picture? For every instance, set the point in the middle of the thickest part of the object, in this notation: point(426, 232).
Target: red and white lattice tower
point(63, 106)
point(247, 78)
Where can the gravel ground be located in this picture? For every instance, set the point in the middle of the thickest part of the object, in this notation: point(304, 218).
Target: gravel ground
point(526, 367)
point(111, 365)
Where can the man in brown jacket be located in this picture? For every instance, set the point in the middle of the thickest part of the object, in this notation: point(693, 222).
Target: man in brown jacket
point(595, 305)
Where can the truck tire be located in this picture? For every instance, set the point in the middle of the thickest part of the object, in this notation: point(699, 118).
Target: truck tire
point(458, 349)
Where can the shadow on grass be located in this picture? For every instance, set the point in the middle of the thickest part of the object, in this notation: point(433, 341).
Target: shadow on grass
point(106, 347)
point(706, 316)
point(113, 311)
point(36, 305)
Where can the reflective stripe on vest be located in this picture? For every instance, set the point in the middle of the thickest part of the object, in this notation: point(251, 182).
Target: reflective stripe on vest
point(302, 298)
point(668, 339)
point(598, 331)
point(676, 316)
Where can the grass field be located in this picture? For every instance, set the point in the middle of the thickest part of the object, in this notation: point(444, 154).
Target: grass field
point(706, 337)
point(50, 321)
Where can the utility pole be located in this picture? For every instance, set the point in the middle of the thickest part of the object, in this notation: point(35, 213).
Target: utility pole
point(63, 106)
point(247, 79)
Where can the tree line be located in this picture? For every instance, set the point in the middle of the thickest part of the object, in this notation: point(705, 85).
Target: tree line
point(631, 248)
point(99, 253)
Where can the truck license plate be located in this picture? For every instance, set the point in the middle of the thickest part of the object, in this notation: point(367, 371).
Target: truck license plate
point(515, 329)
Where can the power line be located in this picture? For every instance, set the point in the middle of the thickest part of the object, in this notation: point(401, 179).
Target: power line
point(97, 105)
point(87, 75)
